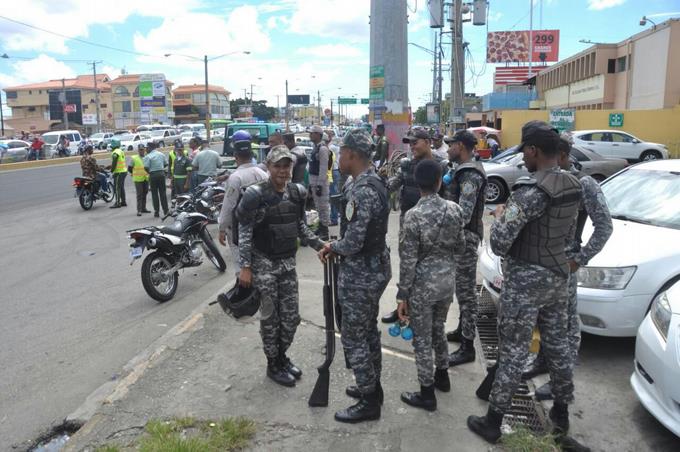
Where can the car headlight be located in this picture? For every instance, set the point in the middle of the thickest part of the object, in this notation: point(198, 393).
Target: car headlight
point(661, 314)
point(607, 278)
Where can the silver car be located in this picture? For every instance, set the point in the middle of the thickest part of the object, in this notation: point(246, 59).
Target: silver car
point(14, 150)
point(504, 170)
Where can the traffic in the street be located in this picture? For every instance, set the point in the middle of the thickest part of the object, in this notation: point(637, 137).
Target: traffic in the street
point(335, 225)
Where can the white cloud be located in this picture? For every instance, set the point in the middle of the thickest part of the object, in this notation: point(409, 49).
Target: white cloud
point(331, 51)
point(24, 71)
point(345, 19)
point(495, 16)
point(604, 4)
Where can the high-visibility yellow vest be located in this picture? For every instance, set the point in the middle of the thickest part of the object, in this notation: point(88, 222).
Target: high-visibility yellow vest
point(120, 163)
point(139, 174)
point(171, 157)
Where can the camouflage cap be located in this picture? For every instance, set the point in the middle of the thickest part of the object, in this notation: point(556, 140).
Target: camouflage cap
point(278, 153)
point(358, 140)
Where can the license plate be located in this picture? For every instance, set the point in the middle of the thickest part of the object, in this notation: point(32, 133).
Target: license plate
point(136, 252)
point(498, 282)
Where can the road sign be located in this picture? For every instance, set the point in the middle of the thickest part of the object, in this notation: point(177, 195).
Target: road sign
point(377, 93)
point(615, 119)
point(89, 119)
point(347, 100)
point(377, 71)
point(70, 108)
point(298, 99)
point(158, 101)
point(365, 100)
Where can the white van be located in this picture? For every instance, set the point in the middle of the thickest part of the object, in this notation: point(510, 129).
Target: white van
point(51, 140)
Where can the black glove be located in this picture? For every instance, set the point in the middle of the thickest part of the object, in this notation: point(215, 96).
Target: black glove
point(318, 190)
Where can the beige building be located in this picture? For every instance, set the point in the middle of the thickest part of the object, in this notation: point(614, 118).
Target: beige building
point(640, 73)
point(189, 103)
point(38, 107)
point(129, 110)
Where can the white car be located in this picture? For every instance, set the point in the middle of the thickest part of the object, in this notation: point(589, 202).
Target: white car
point(99, 140)
point(14, 150)
point(642, 256)
point(614, 143)
point(186, 136)
point(52, 139)
point(163, 137)
point(657, 359)
point(131, 141)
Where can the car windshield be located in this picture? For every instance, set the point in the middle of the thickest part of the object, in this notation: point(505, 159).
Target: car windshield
point(645, 196)
point(157, 133)
point(97, 135)
point(50, 139)
point(126, 137)
point(503, 156)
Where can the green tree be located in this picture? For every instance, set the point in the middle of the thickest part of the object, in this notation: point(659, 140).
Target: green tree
point(259, 108)
point(420, 116)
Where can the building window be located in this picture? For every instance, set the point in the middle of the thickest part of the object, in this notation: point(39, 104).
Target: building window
point(102, 105)
point(611, 66)
point(621, 64)
point(11, 94)
point(39, 91)
point(121, 91)
point(31, 108)
point(84, 106)
point(127, 106)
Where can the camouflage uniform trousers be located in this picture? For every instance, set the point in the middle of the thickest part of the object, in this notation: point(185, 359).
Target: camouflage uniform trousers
point(280, 317)
point(531, 294)
point(466, 282)
point(360, 304)
point(427, 318)
point(322, 203)
point(573, 325)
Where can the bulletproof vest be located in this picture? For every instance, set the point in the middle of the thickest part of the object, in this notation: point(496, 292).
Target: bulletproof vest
point(276, 236)
point(542, 240)
point(410, 193)
point(376, 231)
point(314, 160)
point(299, 168)
point(475, 225)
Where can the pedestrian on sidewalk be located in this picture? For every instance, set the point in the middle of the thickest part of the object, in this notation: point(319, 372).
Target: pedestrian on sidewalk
point(468, 190)
point(363, 275)
point(319, 164)
point(119, 170)
point(180, 169)
point(431, 235)
point(206, 163)
point(156, 163)
point(141, 180)
point(271, 219)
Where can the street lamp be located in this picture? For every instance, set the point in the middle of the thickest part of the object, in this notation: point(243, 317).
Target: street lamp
point(644, 20)
point(205, 60)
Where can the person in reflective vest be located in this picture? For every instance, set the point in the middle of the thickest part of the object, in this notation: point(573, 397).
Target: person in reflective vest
point(141, 180)
point(119, 172)
point(180, 169)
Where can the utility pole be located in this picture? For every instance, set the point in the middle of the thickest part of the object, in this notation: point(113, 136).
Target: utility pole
point(458, 68)
point(63, 104)
point(434, 71)
point(207, 101)
point(287, 128)
point(96, 94)
point(2, 119)
point(531, 35)
point(318, 101)
point(331, 111)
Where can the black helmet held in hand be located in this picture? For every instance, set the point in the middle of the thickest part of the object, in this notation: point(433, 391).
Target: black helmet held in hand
point(240, 301)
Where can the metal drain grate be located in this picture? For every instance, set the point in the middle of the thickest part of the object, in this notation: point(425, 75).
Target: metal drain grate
point(524, 411)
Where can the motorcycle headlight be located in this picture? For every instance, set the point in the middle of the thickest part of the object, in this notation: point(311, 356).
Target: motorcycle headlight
point(606, 278)
point(661, 314)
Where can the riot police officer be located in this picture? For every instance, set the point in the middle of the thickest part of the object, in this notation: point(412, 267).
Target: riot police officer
point(364, 272)
point(468, 190)
point(271, 218)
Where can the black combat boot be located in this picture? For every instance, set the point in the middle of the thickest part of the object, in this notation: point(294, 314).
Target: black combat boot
point(544, 392)
point(391, 317)
point(484, 390)
point(367, 409)
point(288, 365)
point(322, 232)
point(279, 374)
point(559, 415)
point(441, 380)
point(465, 354)
point(424, 399)
point(569, 444)
point(354, 392)
point(455, 335)
point(537, 367)
point(488, 427)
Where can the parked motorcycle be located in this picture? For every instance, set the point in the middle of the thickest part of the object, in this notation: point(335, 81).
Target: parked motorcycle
point(89, 190)
point(173, 247)
point(207, 199)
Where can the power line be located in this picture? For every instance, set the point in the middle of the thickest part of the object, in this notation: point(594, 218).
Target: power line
point(104, 46)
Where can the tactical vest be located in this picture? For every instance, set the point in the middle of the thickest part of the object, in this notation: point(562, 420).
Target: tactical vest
point(276, 236)
point(139, 174)
point(475, 225)
point(376, 230)
point(299, 168)
point(542, 240)
point(410, 193)
point(314, 161)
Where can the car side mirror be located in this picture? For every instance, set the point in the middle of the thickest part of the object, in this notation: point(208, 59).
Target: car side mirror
point(635, 141)
point(521, 165)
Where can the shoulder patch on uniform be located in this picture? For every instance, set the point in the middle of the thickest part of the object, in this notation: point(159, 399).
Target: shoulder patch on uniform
point(601, 199)
point(467, 188)
point(512, 212)
point(349, 210)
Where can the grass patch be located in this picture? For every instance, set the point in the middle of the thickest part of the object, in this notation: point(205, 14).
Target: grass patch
point(190, 435)
point(107, 448)
point(523, 440)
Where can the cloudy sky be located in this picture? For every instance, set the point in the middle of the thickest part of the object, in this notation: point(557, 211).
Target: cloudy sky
point(317, 45)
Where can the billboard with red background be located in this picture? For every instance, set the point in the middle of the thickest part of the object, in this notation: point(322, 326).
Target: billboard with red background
point(513, 46)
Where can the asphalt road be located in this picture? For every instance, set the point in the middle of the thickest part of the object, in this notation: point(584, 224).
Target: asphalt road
point(72, 310)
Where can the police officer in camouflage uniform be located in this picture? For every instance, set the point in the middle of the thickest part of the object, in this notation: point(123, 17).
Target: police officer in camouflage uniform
point(419, 140)
point(431, 234)
point(594, 206)
point(271, 218)
point(468, 190)
point(319, 164)
point(530, 232)
point(363, 275)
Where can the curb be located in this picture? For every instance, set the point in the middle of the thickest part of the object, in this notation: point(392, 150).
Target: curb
point(59, 160)
point(113, 391)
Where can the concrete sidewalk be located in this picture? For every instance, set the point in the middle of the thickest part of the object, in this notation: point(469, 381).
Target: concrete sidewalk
point(212, 366)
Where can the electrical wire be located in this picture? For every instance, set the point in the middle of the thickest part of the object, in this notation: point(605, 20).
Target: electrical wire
point(104, 46)
point(415, 9)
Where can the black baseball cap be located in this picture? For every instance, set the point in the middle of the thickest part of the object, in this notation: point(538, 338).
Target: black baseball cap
point(416, 133)
point(539, 134)
point(466, 137)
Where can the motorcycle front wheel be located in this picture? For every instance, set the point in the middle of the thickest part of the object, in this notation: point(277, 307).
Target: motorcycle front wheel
point(107, 196)
point(212, 251)
point(160, 286)
point(86, 199)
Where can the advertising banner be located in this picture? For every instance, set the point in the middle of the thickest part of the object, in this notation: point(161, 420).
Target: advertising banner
point(563, 119)
point(89, 119)
point(513, 46)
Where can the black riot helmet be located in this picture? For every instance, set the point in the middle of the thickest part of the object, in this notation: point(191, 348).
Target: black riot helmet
point(240, 301)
